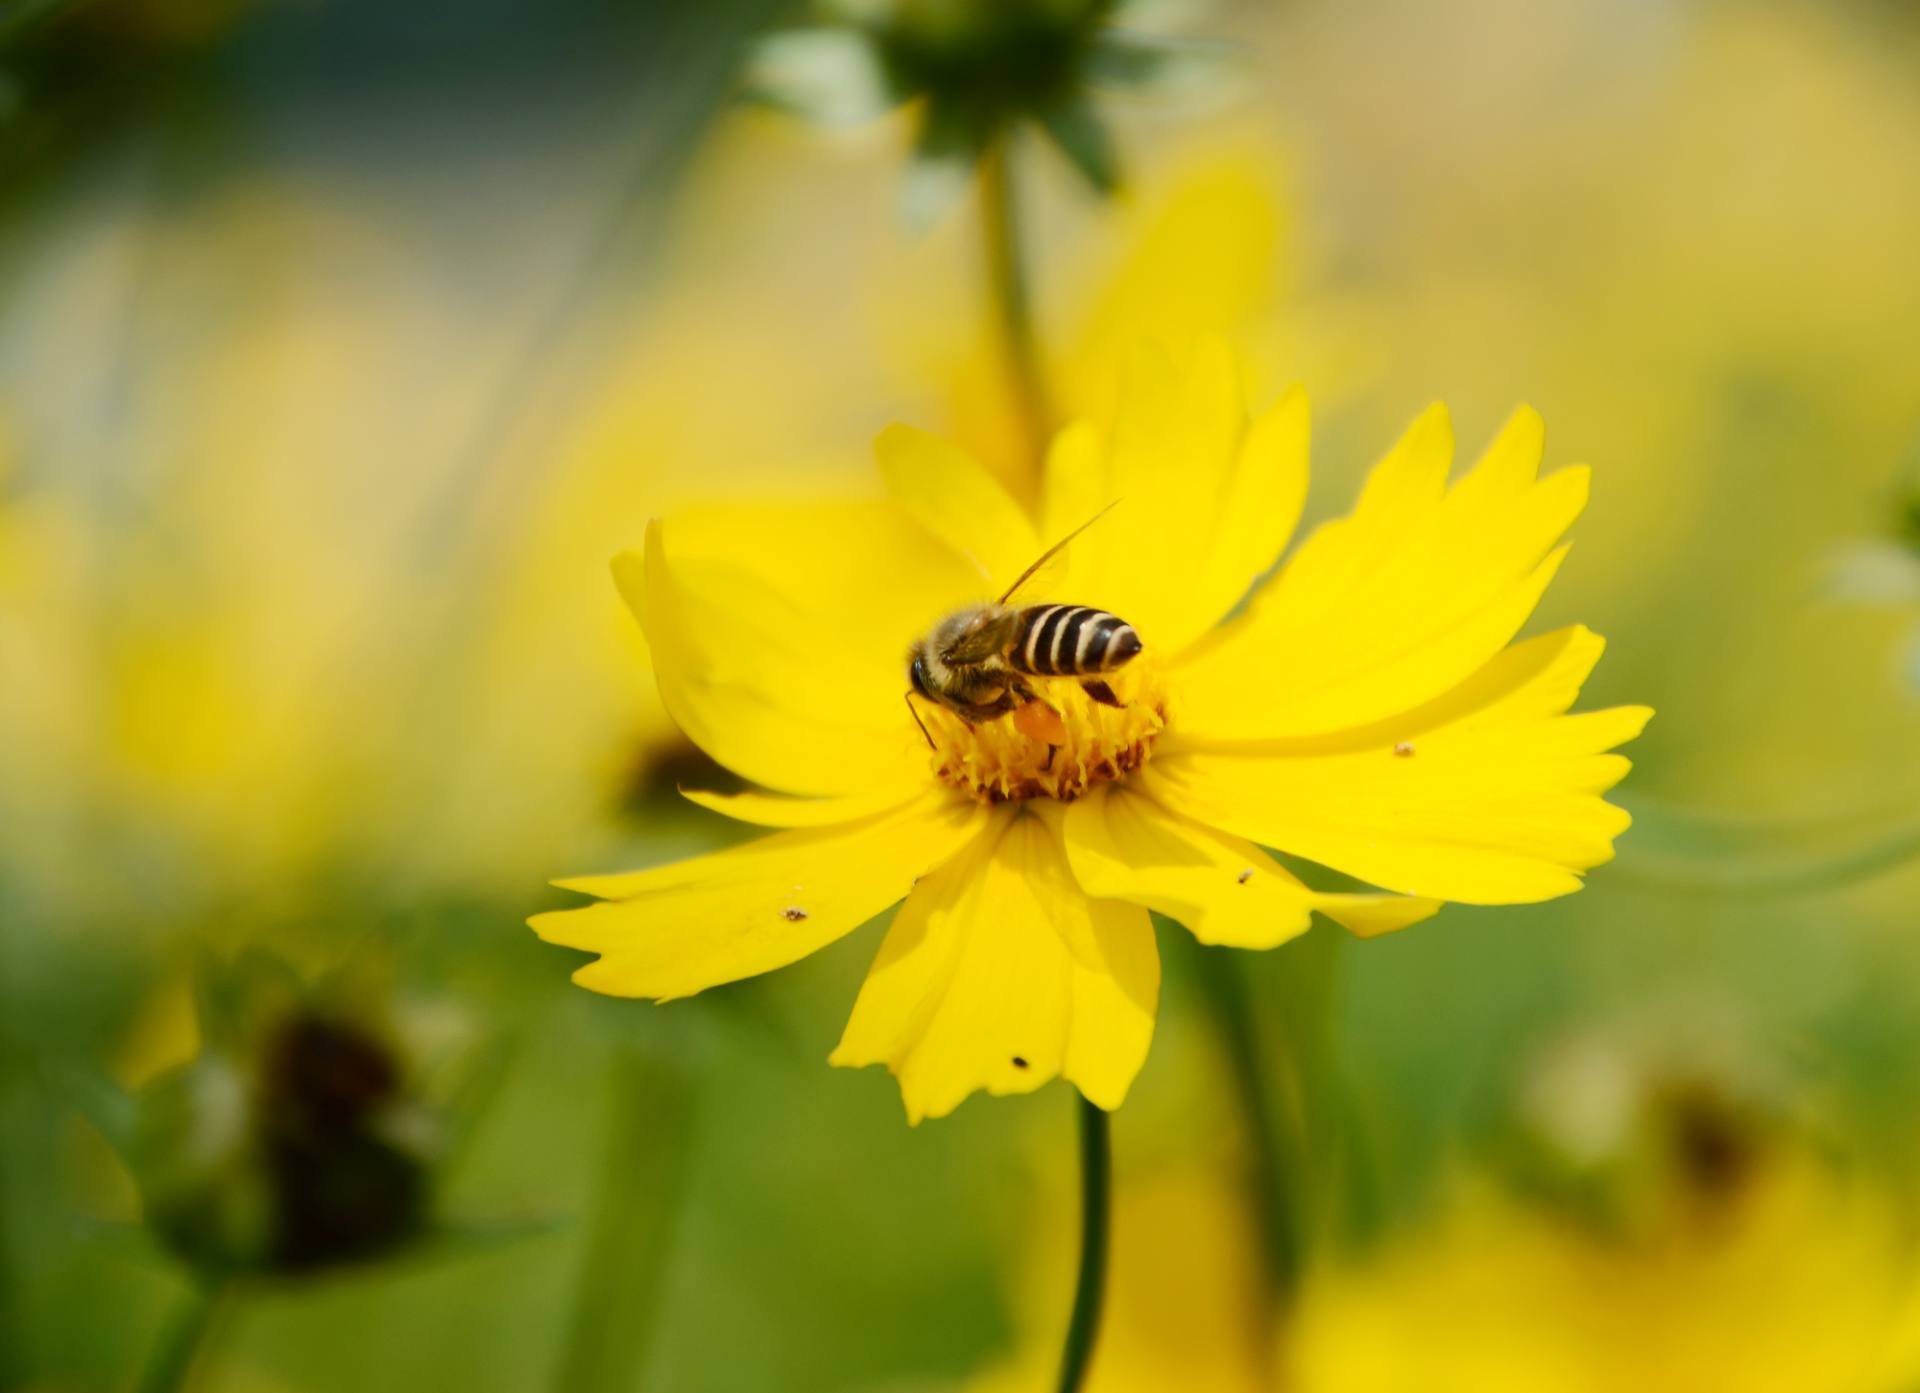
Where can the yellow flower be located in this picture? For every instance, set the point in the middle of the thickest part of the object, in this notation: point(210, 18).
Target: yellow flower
point(1805, 1282)
point(196, 677)
point(1186, 1303)
point(1364, 712)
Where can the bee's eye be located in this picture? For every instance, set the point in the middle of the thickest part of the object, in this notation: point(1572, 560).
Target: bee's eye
point(917, 674)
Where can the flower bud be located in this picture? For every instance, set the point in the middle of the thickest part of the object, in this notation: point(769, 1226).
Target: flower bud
point(1633, 1128)
point(293, 1151)
point(979, 69)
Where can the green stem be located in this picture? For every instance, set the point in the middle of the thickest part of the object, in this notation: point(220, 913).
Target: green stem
point(1096, 1213)
point(621, 1279)
point(185, 1340)
point(1219, 977)
point(1011, 297)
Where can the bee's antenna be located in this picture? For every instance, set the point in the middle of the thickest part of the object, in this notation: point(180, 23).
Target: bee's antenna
point(914, 712)
point(1054, 551)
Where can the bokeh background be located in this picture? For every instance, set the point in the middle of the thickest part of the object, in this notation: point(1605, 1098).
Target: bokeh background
point(343, 342)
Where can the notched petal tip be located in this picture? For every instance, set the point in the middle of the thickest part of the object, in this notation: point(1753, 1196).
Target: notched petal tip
point(1524, 431)
point(1435, 423)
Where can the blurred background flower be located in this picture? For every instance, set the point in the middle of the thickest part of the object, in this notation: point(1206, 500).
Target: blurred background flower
point(343, 345)
point(1661, 1219)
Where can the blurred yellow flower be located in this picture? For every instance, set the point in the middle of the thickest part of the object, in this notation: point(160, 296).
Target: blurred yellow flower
point(1806, 1282)
point(1672, 1215)
point(1365, 712)
point(240, 649)
point(1186, 1300)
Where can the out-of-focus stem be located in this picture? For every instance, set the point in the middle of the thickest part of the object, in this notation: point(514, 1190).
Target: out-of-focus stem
point(1011, 296)
point(1096, 1209)
point(610, 1333)
point(1274, 1161)
point(185, 1340)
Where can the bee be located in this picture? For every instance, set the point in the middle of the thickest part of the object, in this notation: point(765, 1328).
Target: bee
point(976, 662)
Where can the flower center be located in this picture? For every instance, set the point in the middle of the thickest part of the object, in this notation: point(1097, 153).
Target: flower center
point(1057, 747)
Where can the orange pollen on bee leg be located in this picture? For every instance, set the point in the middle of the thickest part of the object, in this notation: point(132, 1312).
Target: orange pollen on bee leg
point(1058, 746)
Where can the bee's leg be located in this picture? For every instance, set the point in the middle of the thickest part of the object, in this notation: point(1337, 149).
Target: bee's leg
point(1052, 750)
point(977, 711)
point(1100, 692)
point(914, 711)
point(1019, 689)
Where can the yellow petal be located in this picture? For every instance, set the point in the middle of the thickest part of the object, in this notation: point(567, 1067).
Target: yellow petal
point(778, 810)
point(778, 695)
point(1205, 261)
point(859, 566)
point(955, 499)
point(1487, 794)
point(977, 986)
point(1205, 502)
point(1397, 603)
point(1122, 845)
point(681, 928)
point(1371, 916)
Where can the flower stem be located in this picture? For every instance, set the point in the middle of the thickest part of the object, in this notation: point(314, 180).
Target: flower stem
point(1219, 978)
point(185, 1339)
point(1096, 1212)
point(1011, 297)
point(623, 1273)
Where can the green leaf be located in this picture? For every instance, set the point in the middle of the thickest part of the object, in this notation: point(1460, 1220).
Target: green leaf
point(1162, 66)
point(95, 1097)
point(1083, 138)
point(1679, 849)
point(831, 77)
point(450, 1240)
point(949, 146)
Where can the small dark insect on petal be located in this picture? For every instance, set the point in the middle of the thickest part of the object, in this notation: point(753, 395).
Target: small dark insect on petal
point(1244, 876)
point(1019, 1063)
point(793, 916)
point(1404, 749)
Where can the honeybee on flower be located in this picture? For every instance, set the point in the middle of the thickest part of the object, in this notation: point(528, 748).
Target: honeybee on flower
point(1367, 710)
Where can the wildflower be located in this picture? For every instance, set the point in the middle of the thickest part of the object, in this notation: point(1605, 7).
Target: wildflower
point(975, 72)
point(155, 707)
point(1187, 1306)
point(1653, 1124)
point(1030, 848)
point(1678, 1218)
point(300, 1150)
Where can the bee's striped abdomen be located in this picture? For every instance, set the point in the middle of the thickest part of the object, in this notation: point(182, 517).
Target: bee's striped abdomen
point(1071, 641)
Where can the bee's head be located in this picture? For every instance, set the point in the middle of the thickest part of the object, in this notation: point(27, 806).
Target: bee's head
point(917, 672)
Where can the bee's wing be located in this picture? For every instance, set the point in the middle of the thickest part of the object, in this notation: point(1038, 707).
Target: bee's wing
point(989, 638)
point(1045, 580)
point(1046, 572)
